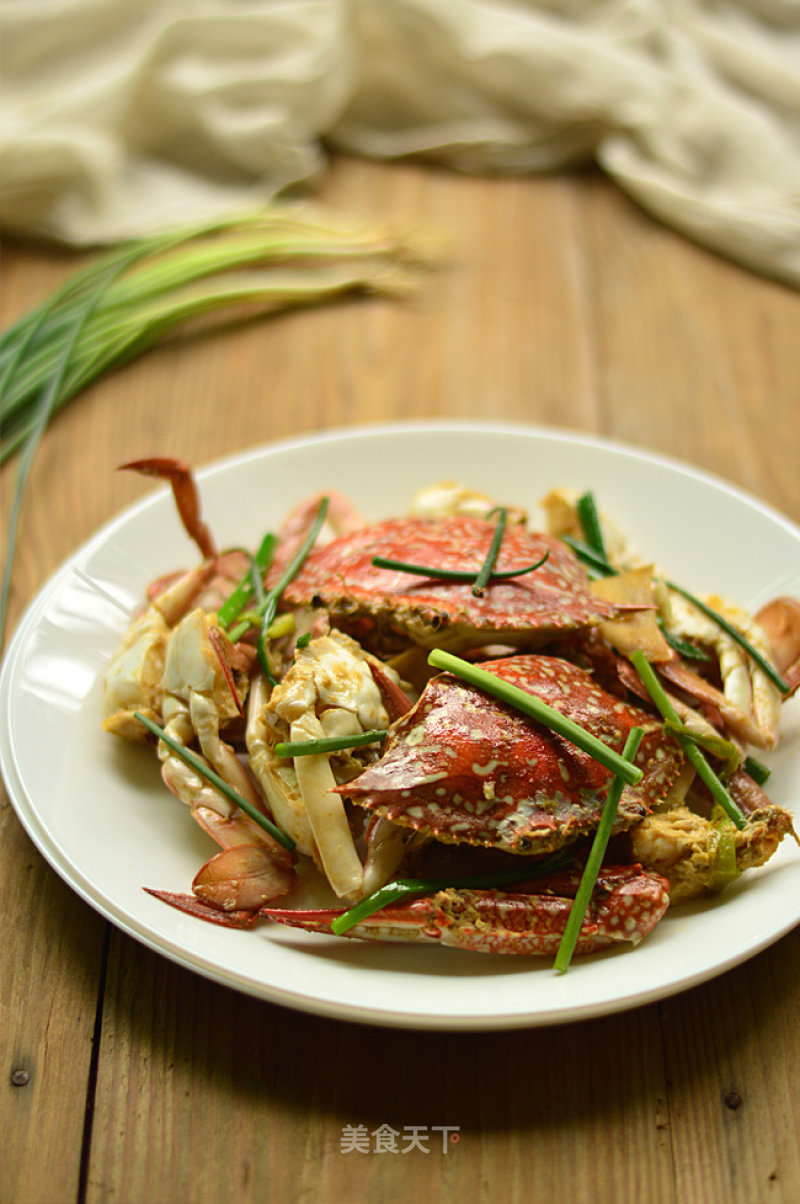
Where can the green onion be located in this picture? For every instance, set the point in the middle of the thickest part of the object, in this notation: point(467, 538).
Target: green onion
point(741, 640)
point(214, 779)
point(532, 706)
point(589, 557)
point(129, 299)
point(580, 903)
point(407, 888)
point(684, 648)
point(482, 580)
point(590, 525)
point(423, 570)
point(725, 869)
point(756, 770)
point(712, 742)
point(304, 640)
point(309, 748)
point(690, 749)
point(271, 600)
point(250, 584)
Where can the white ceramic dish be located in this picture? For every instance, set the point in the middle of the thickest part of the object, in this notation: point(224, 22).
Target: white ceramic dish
point(97, 811)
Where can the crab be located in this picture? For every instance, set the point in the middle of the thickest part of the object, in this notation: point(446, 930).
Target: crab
point(626, 905)
point(385, 608)
point(462, 769)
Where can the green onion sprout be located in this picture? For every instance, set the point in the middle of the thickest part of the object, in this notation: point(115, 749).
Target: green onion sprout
point(215, 780)
point(597, 852)
point(326, 744)
point(688, 745)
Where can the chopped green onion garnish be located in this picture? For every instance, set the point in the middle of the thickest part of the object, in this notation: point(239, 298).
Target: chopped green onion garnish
point(684, 648)
point(423, 570)
point(326, 744)
point(590, 558)
point(482, 580)
point(756, 770)
point(250, 583)
point(406, 888)
point(304, 640)
point(590, 525)
point(271, 600)
point(741, 640)
point(595, 859)
point(690, 749)
point(712, 742)
point(532, 706)
point(282, 625)
point(725, 869)
point(211, 776)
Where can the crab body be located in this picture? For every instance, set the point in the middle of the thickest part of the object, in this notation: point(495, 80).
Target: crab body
point(463, 767)
point(385, 607)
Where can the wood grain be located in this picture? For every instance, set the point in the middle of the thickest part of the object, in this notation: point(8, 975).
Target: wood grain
point(558, 302)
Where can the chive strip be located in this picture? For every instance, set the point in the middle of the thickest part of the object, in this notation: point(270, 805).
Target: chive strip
point(590, 558)
point(282, 625)
point(248, 586)
point(407, 888)
point(487, 568)
point(309, 748)
point(590, 524)
point(684, 648)
point(741, 640)
point(536, 709)
point(214, 779)
point(597, 852)
point(690, 749)
point(715, 745)
point(424, 570)
point(270, 603)
point(756, 770)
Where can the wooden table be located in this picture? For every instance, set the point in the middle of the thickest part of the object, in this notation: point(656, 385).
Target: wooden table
point(126, 1078)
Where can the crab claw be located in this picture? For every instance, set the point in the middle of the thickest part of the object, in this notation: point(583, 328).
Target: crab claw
point(244, 877)
point(625, 906)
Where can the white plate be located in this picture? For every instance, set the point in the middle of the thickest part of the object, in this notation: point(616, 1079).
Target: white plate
point(97, 811)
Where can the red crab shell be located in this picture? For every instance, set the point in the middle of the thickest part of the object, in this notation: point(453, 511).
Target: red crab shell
point(386, 607)
point(465, 768)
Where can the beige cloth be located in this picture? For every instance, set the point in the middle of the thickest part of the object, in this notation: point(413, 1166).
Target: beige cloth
point(120, 116)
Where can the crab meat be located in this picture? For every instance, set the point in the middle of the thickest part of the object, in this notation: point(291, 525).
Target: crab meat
point(465, 768)
point(700, 856)
point(332, 689)
point(387, 608)
point(448, 498)
point(626, 904)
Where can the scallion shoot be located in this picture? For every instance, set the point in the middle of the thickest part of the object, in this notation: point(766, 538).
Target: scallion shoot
point(536, 709)
point(423, 570)
point(590, 558)
point(740, 639)
point(597, 852)
point(487, 568)
point(689, 747)
point(589, 519)
point(271, 600)
point(407, 888)
point(250, 585)
point(326, 744)
point(756, 770)
point(215, 780)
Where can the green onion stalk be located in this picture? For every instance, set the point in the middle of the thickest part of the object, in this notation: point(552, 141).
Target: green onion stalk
point(270, 259)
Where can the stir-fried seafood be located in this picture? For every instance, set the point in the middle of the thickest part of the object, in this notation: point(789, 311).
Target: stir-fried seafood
point(336, 740)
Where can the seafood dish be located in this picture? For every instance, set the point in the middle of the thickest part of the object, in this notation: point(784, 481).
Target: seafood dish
point(477, 734)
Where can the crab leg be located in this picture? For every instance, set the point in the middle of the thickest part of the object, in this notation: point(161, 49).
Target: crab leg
point(625, 906)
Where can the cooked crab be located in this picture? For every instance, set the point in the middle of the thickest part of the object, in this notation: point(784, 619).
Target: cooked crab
point(385, 608)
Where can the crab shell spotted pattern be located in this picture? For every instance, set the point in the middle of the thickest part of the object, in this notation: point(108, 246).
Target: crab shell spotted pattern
point(464, 767)
point(384, 608)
